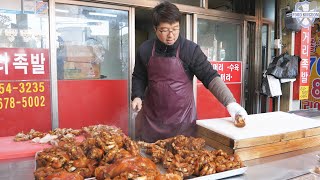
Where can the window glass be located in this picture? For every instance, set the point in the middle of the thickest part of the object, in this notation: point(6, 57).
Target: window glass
point(186, 2)
point(272, 43)
point(92, 57)
point(268, 9)
point(92, 42)
point(264, 43)
point(237, 6)
point(19, 29)
point(218, 40)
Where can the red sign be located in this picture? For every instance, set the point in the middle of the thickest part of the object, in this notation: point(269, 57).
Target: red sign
point(230, 71)
point(207, 105)
point(307, 104)
point(24, 90)
point(304, 70)
point(24, 64)
point(24, 105)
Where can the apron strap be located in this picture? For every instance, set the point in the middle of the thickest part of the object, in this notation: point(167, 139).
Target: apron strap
point(178, 52)
point(153, 48)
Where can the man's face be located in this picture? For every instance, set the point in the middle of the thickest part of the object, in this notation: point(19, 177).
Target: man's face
point(168, 33)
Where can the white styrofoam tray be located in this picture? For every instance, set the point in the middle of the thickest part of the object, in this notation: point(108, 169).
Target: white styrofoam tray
point(258, 125)
point(223, 174)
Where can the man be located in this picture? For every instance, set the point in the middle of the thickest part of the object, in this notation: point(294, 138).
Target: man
point(163, 75)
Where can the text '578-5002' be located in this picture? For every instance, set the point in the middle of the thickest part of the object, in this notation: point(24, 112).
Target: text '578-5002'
point(24, 102)
point(23, 94)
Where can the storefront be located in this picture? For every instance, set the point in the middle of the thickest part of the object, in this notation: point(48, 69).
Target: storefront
point(68, 63)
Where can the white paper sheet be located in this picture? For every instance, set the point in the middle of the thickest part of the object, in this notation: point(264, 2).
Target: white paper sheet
point(258, 125)
point(274, 85)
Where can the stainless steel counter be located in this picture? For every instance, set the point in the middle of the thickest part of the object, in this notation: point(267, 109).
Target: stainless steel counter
point(293, 165)
point(289, 165)
point(17, 169)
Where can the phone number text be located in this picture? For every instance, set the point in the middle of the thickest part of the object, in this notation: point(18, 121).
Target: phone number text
point(24, 102)
point(22, 87)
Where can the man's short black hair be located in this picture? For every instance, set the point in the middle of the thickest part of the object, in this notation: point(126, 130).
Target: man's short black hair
point(165, 12)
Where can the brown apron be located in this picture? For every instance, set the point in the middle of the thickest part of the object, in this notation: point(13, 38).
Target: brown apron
point(168, 108)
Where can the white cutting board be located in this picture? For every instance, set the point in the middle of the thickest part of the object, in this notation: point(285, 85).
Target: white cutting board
point(258, 125)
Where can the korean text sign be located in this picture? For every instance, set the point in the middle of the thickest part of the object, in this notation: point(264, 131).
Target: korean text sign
point(24, 90)
point(24, 64)
point(305, 63)
point(230, 71)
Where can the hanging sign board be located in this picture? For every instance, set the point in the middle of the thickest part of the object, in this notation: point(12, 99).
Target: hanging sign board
point(304, 70)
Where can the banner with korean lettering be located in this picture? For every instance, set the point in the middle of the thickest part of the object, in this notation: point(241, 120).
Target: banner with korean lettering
point(313, 100)
point(24, 64)
point(304, 70)
point(24, 90)
point(207, 105)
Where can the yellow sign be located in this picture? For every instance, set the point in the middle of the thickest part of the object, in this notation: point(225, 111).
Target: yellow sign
point(303, 92)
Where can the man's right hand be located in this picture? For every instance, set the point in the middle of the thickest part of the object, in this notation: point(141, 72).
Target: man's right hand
point(238, 114)
point(136, 104)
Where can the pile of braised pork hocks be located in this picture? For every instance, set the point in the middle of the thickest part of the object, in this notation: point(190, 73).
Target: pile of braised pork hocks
point(186, 156)
point(107, 153)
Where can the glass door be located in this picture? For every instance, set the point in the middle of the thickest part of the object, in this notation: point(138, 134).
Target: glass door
point(92, 51)
point(251, 54)
point(267, 41)
point(221, 42)
point(25, 101)
point(144, 29)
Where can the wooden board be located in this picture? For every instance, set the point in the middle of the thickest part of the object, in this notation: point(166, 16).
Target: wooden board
point(218, 137)
point(258, 147)
point(277, 148)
